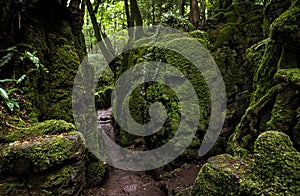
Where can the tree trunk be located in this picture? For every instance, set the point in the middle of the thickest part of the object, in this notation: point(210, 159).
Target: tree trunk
point(194, 13)
point(182, 7)
point(129, 19)
point(137, 18)
point(203, 14)
point(105, 49)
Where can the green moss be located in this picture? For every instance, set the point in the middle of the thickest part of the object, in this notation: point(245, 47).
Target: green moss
point(40, 129)
point(96, 173)
point(272, 10)
point(285, 29)
point(221, 175)
point(67, 180)
point(288, 76)
point(248, 128)
point(201, 36)
point(277, 166)
point(51, 93)
point(273, 171)
point(155, 92)
point(40, 152)
point(282, 118)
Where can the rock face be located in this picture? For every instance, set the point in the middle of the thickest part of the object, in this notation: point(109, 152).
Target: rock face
point(47, 159)
point(275, 99)
point(145, 95)
point(264, 147)
point(274, 170)
point(51, 30)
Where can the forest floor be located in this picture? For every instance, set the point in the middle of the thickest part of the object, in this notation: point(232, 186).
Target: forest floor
point(120, 182)
point(147, 183)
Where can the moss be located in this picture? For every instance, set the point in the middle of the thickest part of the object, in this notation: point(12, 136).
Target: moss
point(156, 92)
point(272, 10)
point(221, 175)
point(40, 152)
point(277, 166)
point(201, 36)
point(248, 128)
point(288, 76)
point(40, 129)
point(274, 170)
point(50, 93)
point(67, 180)
point(96, 174)
point(282, 118)
point(285, 29)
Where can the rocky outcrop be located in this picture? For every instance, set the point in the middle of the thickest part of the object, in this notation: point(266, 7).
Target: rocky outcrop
point(49, 158)
point(51, 30)
point(273, 170)
point(275, 99)
point(264, 148)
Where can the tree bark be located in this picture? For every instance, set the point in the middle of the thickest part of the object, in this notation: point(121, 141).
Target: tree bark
point(107, 53)
point(203, 14)
point(194, 13)
point(129, 19)
point(182, 7)
point(137, 18)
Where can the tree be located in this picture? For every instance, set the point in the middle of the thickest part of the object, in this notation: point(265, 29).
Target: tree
point(194, 14)
point(203, 14)
point(182, 7)
point(134, 18)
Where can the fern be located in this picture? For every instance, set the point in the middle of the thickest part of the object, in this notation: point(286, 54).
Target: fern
point(4, 93)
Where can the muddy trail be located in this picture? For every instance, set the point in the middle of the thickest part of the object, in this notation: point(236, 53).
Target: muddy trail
point(156, 182)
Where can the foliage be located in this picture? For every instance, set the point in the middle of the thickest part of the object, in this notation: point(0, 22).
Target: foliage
point(6, 92)
point(177, 21)
point(110, 17)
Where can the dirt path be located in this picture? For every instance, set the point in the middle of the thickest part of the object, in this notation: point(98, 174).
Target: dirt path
point(120, 182)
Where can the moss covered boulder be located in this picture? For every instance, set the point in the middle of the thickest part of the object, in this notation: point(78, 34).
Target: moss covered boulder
point(49, 158)
point(273, 170)
point(145, 95)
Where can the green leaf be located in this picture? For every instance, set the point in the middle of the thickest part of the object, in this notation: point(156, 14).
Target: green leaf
point(7, 80)
point(10, 90)
point(6, 59)
point(21, 78)
point(10, 105)
point(3, 93)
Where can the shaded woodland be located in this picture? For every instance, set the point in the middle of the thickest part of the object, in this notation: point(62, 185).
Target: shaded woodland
point(255, 44)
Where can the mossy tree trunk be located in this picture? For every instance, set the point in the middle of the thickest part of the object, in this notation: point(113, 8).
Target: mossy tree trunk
point(52, 29)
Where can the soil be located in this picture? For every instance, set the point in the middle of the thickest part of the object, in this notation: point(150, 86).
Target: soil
point(122, 182)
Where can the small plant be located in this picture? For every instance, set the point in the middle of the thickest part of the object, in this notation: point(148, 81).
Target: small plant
point(11, 104)
point(6, 92)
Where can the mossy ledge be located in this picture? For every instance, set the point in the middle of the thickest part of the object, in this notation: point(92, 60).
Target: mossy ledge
point(49, 158)
point(273, 170)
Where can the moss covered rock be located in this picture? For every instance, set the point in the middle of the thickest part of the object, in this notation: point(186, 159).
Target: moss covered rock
point(49, 158)
point(221, 175)
point(145, 95)
point(274, 170)
point(275, 97)
point(39, 153)
point(231, 32)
